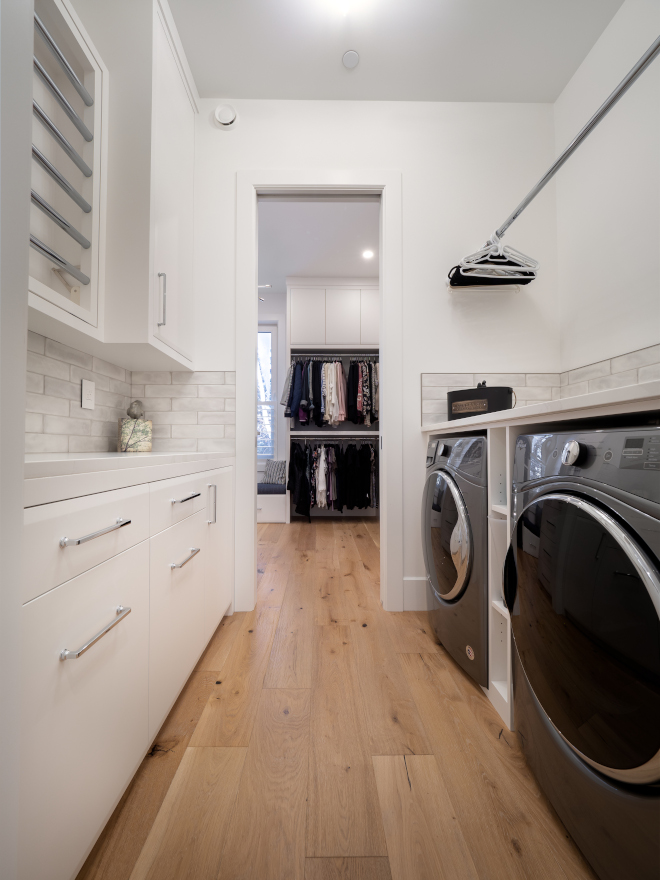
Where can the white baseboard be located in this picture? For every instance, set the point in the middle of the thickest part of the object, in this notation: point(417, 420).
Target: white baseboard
point(416, 594)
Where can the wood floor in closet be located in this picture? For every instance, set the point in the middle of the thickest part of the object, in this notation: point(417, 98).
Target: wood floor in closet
point(320, 738)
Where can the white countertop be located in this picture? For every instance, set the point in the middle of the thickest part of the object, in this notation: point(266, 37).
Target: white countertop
point(631, 398)
point(56, 464)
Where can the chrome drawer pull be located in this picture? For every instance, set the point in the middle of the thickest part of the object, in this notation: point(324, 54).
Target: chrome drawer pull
point(193, 552)
point(73, 655)
point(215, 504)
point(187, 498)
point(68, 542)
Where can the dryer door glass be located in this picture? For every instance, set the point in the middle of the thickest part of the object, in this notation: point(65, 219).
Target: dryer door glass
point(447, 537)
point(585, 612)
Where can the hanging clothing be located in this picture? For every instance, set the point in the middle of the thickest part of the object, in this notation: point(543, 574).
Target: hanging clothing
point(298, 483)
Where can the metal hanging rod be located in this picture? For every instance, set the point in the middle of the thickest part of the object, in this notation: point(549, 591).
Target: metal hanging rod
point(53, 130)
point(62, 101)
point(639, 68)
point(49, 168)
point(59, 261)
point(57, 218)
point(61, 60)
point(331, 358)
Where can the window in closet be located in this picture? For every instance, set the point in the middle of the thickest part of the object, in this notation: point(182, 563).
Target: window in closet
point(266, 391)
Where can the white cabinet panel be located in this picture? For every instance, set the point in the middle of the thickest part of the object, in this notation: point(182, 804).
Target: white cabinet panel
point(176, 636)
point(342, 316)
point(369, 317)
point(170, 501)
point(173, 157)
point(84, 724)
point(307, 316)
point(219, 583)
point(46, 564)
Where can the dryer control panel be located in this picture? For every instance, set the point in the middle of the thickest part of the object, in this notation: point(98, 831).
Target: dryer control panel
point(628, 459)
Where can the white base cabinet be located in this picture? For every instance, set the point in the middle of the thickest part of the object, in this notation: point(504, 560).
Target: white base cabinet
point(176, 612)
point(84, 727)
point(88, 722)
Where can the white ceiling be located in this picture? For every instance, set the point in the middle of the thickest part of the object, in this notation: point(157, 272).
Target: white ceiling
point(307, 238)
point(412, 50)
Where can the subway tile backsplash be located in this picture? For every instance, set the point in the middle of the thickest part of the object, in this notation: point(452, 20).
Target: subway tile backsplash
point(56, 422)
point(628, 369)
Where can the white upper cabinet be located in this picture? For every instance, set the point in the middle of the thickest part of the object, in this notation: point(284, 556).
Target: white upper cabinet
point(342, 316)
point(324, 314)
point(173, 167)
point(369, 317)
point(138, 309)
point(307, 316)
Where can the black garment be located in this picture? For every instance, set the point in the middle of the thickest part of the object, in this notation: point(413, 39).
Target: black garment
point(298, 483)
point(352, 384)
point(303, 414)
point(296, 391)
point(316, 393)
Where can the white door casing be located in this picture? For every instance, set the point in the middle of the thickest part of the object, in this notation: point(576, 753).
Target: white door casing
point(389, 185)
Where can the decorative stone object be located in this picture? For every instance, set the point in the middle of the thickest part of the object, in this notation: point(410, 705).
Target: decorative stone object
point(134, 433)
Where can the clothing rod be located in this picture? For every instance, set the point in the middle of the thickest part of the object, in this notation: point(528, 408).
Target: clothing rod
point(62, 101)
point(58, 219)
point(53, 130)
point(646, 59)
point(52, 255)
point(61, 60)
point(49, 168)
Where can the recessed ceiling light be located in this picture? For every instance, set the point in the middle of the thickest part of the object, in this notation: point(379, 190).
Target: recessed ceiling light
point(350, 59)
point(367, 254)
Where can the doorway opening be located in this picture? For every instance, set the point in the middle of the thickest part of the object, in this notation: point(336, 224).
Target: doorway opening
point(309, 185)
point(318, 358)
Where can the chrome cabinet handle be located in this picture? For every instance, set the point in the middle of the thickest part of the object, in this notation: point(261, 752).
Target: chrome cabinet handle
point(73, 655)
point(187, 498)
point(215, 504)
point(68, 542)
point(163, 275)
point(193, 552)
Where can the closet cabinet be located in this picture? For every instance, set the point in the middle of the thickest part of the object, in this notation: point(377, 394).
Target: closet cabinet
point(333, 312)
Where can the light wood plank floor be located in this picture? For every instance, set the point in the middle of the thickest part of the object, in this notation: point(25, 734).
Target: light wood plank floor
point(320, 738)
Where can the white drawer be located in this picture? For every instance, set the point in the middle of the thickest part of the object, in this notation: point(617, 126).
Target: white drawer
point(171, 501)
point(84, 721)
point(46, 563)
point(176, 637)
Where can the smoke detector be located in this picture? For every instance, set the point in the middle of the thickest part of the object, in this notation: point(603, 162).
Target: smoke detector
point(225, 116)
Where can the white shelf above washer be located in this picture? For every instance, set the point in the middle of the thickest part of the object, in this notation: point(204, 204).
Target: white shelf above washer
point(500, 508)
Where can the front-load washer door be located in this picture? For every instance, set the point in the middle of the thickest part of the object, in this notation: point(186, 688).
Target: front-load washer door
point(447, 538)
point(584, 599)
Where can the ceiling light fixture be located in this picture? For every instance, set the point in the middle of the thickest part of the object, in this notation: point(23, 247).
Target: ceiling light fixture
point(350, 59)
point(367, 254)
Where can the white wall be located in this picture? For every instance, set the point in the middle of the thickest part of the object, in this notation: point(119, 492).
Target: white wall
point(465, 167)
point(608, 198)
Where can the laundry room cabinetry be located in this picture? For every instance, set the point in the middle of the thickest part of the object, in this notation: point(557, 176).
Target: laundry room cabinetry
point(141, 599)
point(146, 225)
point(335, 312)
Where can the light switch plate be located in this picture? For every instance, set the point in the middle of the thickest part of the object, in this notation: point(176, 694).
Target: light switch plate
point(88, 394)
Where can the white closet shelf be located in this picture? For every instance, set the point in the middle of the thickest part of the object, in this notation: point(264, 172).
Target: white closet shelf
point(500, 508)
point(356, 434)
point(499, 605)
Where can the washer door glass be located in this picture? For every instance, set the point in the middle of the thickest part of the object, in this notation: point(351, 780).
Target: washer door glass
point(447, 538)
point(585, 612)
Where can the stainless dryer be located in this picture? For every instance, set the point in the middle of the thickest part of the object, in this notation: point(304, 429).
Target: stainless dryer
point(582, 584)
point(455, 544)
